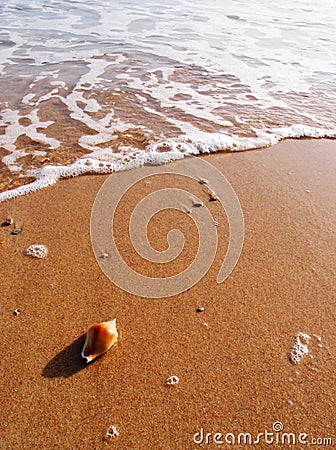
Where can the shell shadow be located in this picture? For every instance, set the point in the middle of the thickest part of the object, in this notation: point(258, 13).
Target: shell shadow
point(68, 362)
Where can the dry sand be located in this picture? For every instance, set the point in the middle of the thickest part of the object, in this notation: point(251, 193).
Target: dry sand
point(235, 374)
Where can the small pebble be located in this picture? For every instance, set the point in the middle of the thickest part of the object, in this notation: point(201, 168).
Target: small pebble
point(171, 381)
point(313, 269)
point(16, 231)
point(198, 204)
point(290, 402)
point(203, 181)
point(7, 222)
point(200, 309)
point(308, 191)
point(205, 324)
point(16, 312)
point(320, 345)
point(104, 255)
point(213, 198)
point(216, 223)
point(2, 242)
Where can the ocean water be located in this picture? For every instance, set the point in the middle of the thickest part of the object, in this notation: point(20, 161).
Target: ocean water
point(102, 85)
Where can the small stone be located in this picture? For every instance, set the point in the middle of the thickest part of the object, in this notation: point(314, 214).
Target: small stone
point(16, 231)
point(198, 204)
point(316, 336)
point(290, 402)
point(308, 191)
point(2, 242)
point(104, 255)
point(216, 223)
point(203, 181)
point(16, 312)
point(213, 198)
point(200, 309)
point(7, 222)
point(206, 324)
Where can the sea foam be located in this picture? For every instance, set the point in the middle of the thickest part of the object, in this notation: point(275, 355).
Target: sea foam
point(201, 143)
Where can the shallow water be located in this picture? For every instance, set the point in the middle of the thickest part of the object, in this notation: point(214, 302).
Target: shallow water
point(86, 86)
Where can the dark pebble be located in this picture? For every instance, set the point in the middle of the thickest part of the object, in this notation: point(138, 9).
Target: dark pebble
point(16, 231)
point(200, 309)
point(7, 222)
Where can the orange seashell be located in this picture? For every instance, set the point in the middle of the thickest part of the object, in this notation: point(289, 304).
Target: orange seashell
point(99, 339)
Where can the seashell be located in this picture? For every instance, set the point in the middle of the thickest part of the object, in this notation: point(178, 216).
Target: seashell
point(99, 339)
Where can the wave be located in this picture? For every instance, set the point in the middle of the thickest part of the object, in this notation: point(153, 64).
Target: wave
point(163, 152)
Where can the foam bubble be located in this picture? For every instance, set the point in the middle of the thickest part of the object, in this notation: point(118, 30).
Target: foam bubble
point(37, 251)
point(300, 348)
point(104, 161)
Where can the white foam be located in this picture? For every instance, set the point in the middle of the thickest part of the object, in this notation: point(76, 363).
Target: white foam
point(105, 161)
point(235, 68)
point(37, 251)
point(300, 348)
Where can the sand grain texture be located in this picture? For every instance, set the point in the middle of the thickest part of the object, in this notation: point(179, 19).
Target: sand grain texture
point(235, 375)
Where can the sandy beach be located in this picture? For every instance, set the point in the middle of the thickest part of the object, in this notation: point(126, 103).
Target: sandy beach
point(232, 359)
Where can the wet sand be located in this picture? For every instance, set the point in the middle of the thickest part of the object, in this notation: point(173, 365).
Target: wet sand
point(232, 359)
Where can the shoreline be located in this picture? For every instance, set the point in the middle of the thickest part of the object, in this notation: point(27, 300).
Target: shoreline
point(91, 166)
point(235, 373)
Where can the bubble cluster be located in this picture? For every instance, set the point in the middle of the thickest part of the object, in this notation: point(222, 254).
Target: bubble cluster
point(300, 348)
point(37, 251)
point(112, 432)
point(171, 381)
